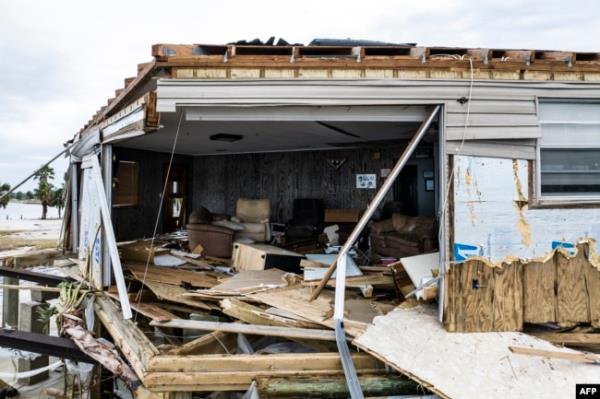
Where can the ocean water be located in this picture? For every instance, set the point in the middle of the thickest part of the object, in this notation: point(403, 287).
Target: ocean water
point(16, 211)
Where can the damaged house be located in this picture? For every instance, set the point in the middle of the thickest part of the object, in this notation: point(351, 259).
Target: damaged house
point(301, 198)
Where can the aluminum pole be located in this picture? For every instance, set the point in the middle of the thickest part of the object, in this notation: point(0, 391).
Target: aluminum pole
point(383, 190)
point(34, 173)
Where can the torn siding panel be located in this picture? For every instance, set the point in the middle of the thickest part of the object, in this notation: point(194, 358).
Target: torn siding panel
point(520, 149)
point(492, 217)
point(498, 111)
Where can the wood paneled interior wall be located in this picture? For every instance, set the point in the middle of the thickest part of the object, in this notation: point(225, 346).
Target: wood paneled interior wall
point(138, 221)
point(218, 181)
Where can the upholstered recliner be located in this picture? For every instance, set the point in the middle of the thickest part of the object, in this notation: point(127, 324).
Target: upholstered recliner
point(254, 215)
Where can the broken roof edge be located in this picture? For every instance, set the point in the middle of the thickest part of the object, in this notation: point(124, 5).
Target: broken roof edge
point(487, 64)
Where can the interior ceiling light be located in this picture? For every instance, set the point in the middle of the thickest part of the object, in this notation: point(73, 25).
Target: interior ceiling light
point(230, 138)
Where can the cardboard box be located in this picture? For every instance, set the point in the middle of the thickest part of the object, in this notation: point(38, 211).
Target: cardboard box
point(262, 256)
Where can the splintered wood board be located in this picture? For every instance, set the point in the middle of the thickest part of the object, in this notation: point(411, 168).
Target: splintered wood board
point(470, 365)
point(249, 281)
point(172, 276)
point(296, 300)
point(176, 294)
point(149, 310)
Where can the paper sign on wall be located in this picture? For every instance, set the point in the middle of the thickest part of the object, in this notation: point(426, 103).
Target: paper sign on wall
point(366, 181)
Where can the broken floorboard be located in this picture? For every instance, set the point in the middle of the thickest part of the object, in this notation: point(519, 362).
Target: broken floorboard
point(171, 373)
point(334, 387)
point(453, 365)
point(236, 372)
point(575, 339)
point(251, 329)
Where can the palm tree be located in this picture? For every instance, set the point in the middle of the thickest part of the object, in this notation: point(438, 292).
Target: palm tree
point(44, 190)
point(58, 199)
point(3, 189)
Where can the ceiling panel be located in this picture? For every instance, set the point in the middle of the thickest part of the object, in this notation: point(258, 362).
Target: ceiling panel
point(266, 136)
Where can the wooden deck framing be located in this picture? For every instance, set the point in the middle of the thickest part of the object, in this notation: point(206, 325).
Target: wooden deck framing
point(171, 373)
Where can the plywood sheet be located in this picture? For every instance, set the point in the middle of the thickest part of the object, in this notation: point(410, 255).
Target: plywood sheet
point(176, 294)
point(172, 276)
point(296, 300)
point(572, 295)
point(470, 365)
point(539, 299)
point(249, 281)
point(419, 267)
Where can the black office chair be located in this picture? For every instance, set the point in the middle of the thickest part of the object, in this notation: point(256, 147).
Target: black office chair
point(307, 219)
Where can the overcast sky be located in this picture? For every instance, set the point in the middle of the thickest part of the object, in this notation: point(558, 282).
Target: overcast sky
point(61, 60)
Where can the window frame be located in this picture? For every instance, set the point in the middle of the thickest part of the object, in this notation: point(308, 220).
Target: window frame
point(558, 199)
point(136, 202)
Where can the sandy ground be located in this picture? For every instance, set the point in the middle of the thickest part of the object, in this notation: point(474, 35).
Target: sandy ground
point(29, 233)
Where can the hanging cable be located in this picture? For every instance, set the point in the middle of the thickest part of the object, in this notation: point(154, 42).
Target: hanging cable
point(457, 152)
point(159, 212)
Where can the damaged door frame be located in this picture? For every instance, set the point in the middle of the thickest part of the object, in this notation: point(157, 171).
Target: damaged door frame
point(345, 356)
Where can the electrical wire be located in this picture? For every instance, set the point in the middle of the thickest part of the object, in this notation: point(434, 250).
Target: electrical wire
point(458, 150)
point(158, 214)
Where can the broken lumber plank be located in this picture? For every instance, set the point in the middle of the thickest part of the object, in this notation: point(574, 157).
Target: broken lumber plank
point(28, 258)
point(136, 347)
point(306, 362)
point(150, 310)
point(30, 287)
point(153, 312)
point(296, 300)
point(213, 343)
point(254, 315)
point(252, 329)
point(574, 356)
point(358, 281)
point(172, 276)
point(223, 381)
point(176, 294)
point(335, 387)
point(578, 339)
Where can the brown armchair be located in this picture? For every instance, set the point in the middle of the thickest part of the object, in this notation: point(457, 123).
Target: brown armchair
point(403, 235)
point(217, 241)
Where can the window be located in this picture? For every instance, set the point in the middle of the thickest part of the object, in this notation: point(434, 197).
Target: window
point(125, 184)
point(569, 161)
